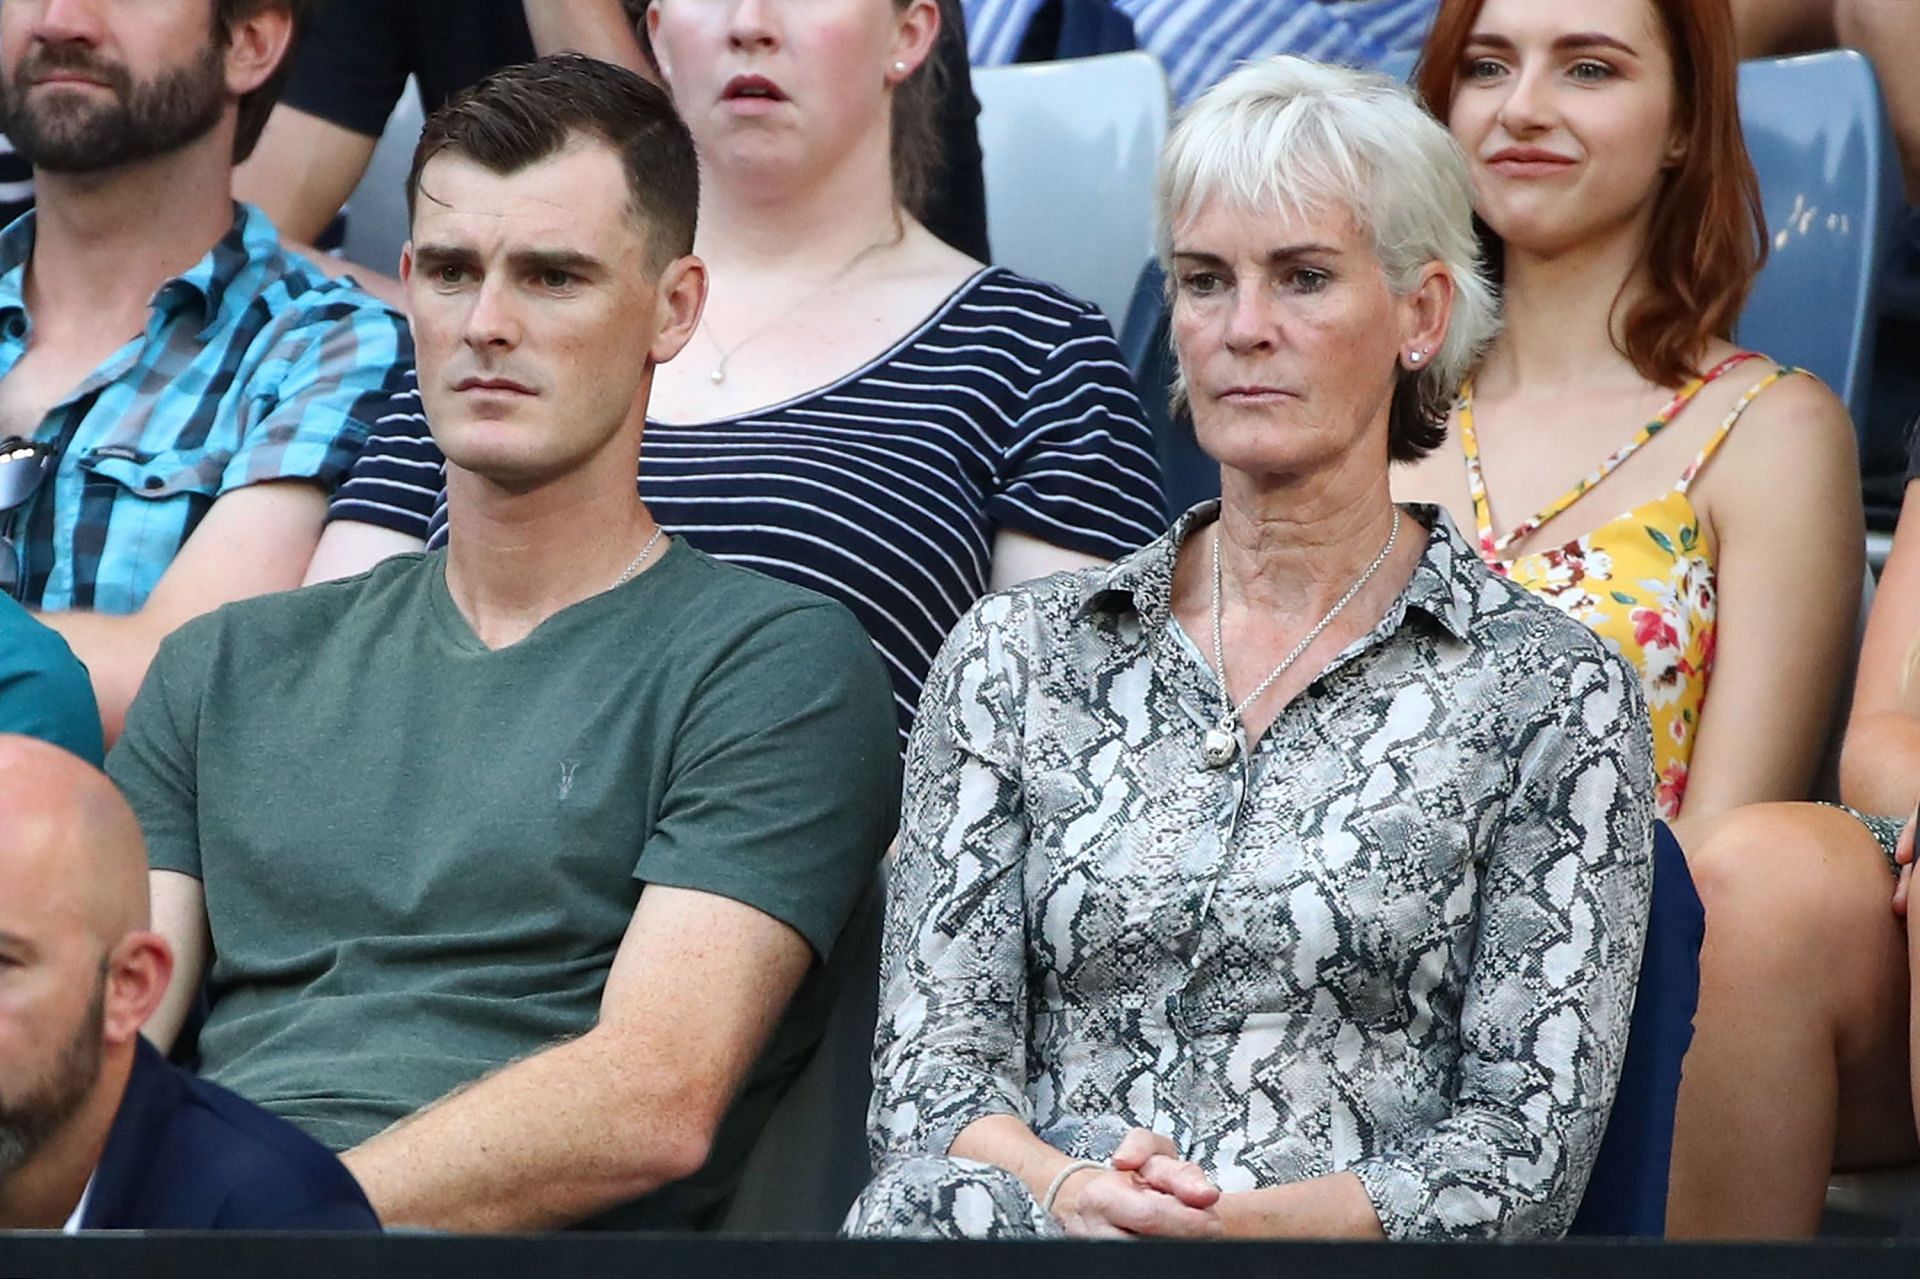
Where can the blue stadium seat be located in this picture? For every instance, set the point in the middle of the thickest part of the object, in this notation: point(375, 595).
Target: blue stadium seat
point(1830, 180)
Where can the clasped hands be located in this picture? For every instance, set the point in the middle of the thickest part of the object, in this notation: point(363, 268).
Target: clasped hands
point(1147, 1190)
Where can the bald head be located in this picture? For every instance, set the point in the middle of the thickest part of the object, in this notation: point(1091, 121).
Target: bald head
point(69, 845)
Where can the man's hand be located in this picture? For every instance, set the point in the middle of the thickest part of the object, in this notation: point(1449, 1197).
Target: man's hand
point(1149, 1190)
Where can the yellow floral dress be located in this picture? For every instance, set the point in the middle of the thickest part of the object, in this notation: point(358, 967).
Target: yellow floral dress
point(1644, 581)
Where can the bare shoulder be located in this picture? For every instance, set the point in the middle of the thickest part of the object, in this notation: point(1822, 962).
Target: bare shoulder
point(1795, 424)
point(1795, 439)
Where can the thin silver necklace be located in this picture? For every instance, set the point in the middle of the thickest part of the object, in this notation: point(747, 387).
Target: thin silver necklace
point(1222, 743)
point(626, 574)
point(719, 373)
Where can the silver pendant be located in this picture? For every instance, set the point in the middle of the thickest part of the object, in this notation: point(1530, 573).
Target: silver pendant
point(1220, 746)
point(719, 375)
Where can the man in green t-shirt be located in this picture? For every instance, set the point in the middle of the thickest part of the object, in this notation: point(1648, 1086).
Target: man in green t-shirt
point(511, 862)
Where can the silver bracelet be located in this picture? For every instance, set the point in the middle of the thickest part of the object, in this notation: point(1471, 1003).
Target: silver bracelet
point(1060, 1179)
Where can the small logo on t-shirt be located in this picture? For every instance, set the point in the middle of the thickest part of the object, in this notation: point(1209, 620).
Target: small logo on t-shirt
point(567, 769)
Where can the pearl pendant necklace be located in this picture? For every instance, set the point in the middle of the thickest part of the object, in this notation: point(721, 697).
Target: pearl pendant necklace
point(1222, 742)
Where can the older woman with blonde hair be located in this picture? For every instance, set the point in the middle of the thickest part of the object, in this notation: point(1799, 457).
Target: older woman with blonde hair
point(1289, 876)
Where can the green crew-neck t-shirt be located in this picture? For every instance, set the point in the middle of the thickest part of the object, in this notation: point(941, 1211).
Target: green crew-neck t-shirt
point(420, 855)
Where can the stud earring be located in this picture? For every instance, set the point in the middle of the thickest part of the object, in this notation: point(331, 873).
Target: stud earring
point(900, 70)
point(1414, 357)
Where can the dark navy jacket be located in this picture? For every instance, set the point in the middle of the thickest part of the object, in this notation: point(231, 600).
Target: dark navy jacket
point(187, 1155)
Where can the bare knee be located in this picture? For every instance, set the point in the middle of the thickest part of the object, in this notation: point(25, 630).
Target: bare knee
point(1791, 889)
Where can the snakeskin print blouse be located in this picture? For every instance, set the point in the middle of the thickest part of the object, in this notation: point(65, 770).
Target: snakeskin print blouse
point(1401, 939)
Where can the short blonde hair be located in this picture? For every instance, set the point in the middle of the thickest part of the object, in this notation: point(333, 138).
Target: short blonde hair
point(1301, 137)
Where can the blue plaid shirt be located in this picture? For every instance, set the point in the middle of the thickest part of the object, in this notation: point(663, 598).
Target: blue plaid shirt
point(254, 366)
point(1199, 41)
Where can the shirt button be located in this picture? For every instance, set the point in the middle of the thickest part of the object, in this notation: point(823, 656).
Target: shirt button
point(152, 482)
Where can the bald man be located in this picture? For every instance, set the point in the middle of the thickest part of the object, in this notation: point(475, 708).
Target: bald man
point(97, 1132)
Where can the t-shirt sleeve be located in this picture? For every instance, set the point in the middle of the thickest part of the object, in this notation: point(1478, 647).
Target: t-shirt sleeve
point(785, 782)
point(156, 763)
point(44, 690)
point(397, 480)
point(327, 378)
point(350, 67)
point(1080, 469)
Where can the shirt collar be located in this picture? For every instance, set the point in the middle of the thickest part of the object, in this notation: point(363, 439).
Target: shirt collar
point(80, 1209)
point(250, 237)
point(1445, 584)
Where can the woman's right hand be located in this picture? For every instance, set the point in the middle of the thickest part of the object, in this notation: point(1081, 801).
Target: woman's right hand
point(1148, 1190)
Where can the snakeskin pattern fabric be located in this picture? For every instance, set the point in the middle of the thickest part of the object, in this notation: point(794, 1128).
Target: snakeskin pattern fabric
point(1400, 938)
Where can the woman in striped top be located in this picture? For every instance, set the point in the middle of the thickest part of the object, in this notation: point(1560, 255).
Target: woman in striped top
point(867, 412)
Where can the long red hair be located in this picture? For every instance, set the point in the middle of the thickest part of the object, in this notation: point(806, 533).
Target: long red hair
point(1708, 236)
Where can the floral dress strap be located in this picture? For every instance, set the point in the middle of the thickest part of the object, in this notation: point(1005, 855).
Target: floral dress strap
point(1492, 545)
point(1733, 415)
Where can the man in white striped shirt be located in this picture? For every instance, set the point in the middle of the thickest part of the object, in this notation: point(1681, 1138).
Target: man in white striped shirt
point(1199, 41)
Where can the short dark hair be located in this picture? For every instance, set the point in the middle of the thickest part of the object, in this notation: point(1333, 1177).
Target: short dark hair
point(521, 115)
point(256, 106)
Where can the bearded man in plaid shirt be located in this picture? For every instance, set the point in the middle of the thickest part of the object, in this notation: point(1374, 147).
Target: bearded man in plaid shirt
point(177, 393)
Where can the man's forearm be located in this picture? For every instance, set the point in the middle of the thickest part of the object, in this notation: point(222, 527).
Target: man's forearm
point(552, 1139)
point(116, 649)
point(598, 28)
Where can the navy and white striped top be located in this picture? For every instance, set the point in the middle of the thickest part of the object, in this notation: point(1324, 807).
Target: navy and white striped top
point(1008, 407)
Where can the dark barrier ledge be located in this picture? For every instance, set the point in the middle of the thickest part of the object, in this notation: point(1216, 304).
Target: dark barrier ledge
point(704, 1257)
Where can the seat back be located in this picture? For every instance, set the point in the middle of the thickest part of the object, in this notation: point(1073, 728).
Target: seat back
point(1068, 151)
point(811, 1159)
point(377, 209)
point(1627, 1192)
point(1830, 181)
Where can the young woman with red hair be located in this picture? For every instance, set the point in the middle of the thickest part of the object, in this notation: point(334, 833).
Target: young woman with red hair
point(1698, 506)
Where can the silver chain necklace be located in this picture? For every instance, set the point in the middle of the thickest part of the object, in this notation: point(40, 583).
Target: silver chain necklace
point(719, 373)
point(626, 574)
point(1221, 743)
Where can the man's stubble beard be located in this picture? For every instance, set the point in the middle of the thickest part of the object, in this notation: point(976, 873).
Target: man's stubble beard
point(72, 133)
point(29, 1120)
